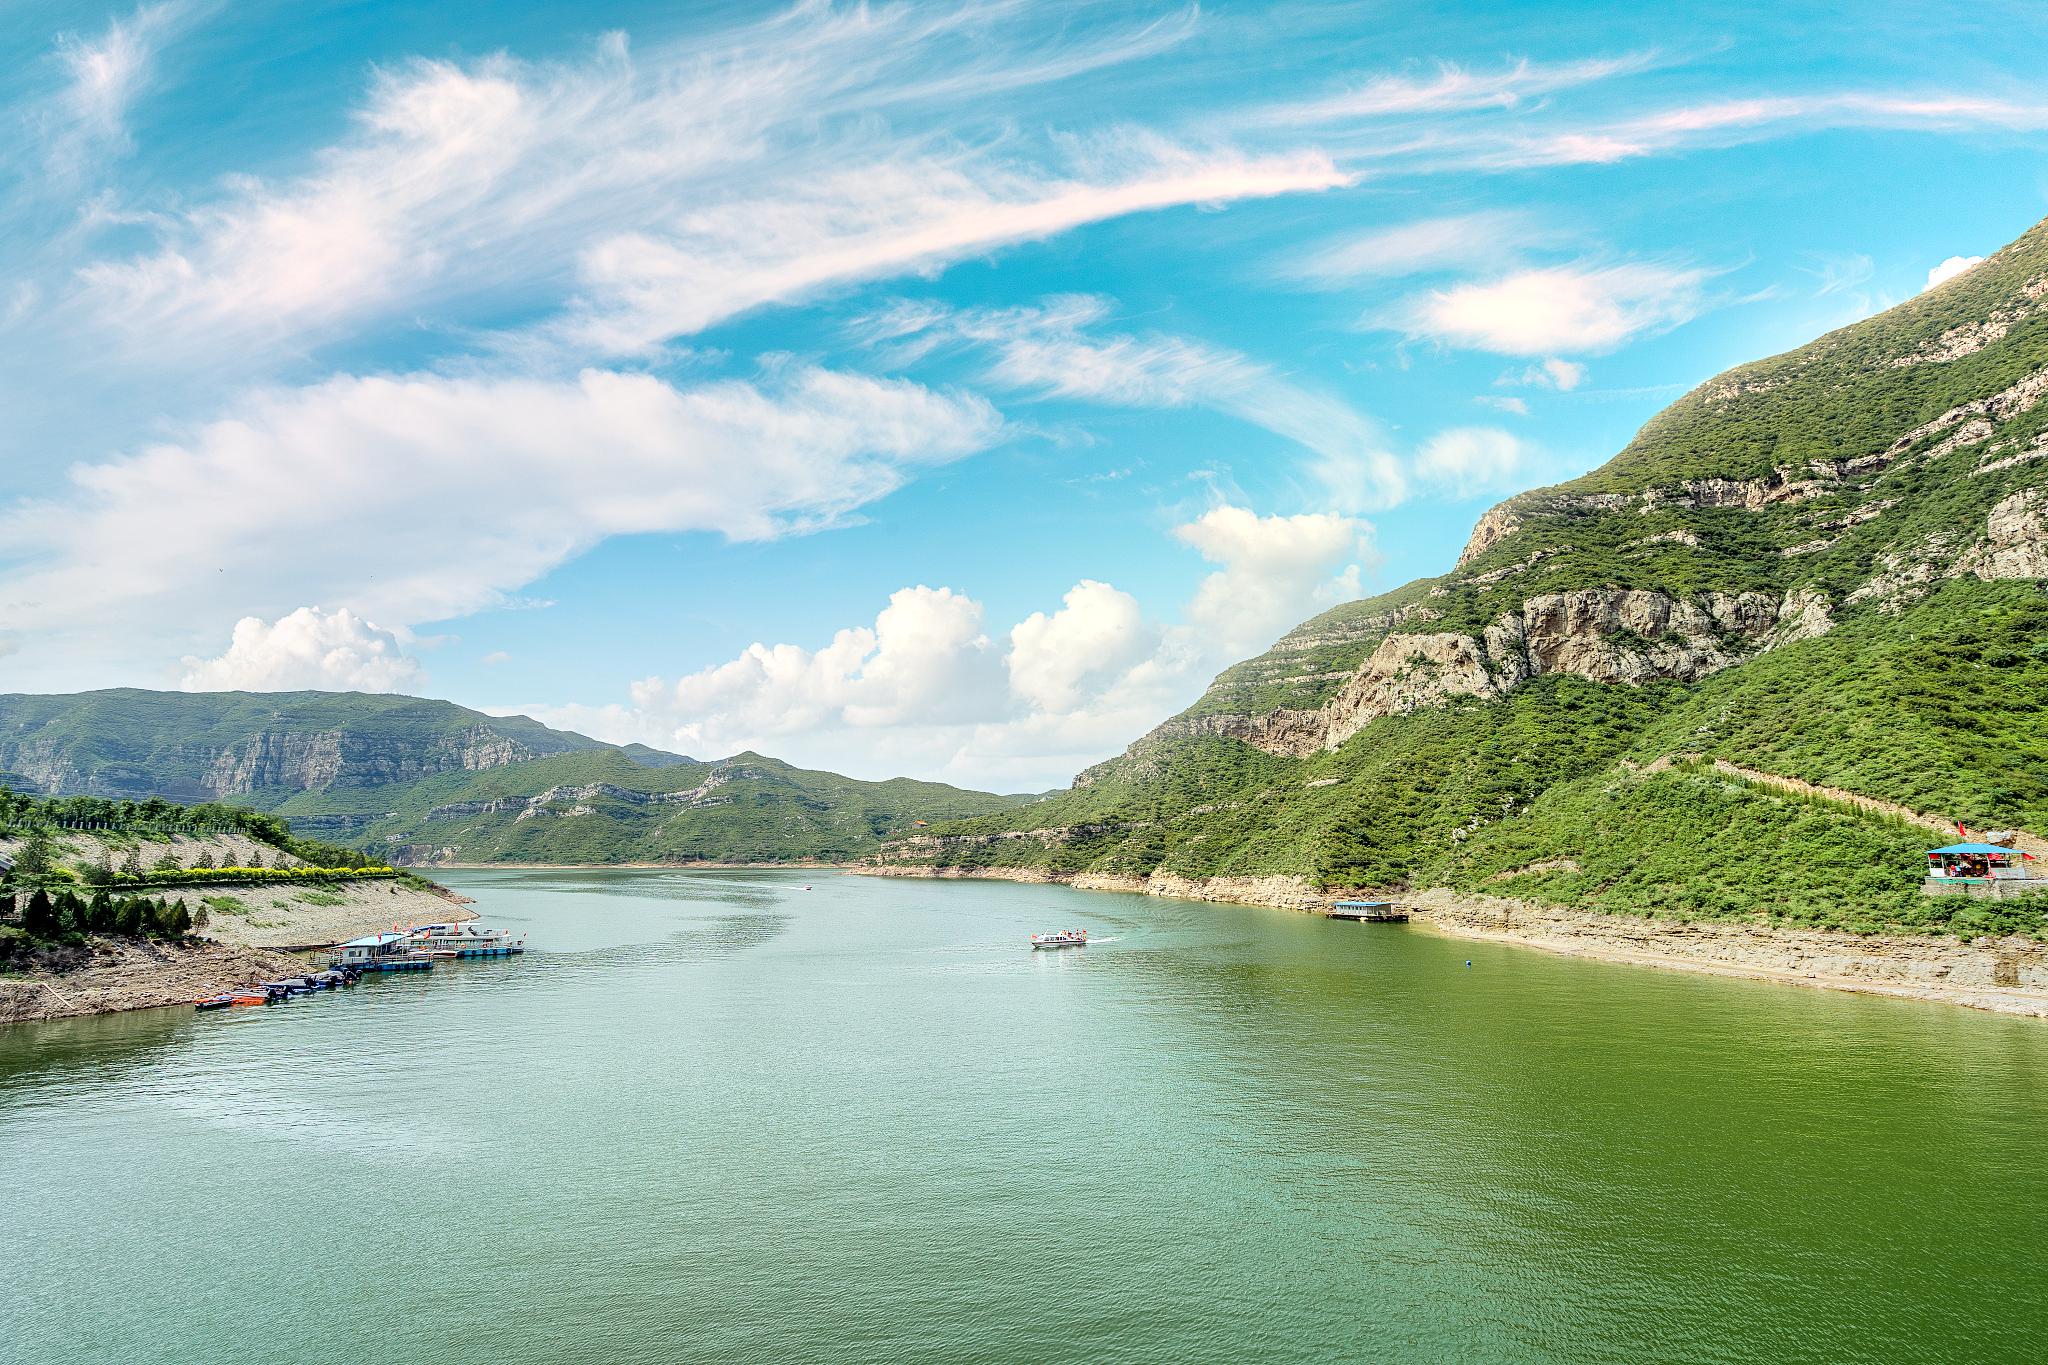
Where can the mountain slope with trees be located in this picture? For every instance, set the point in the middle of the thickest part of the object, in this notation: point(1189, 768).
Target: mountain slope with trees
point(1825, 566)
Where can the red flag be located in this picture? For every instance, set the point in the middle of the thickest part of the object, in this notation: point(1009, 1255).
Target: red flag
point(1960, 831)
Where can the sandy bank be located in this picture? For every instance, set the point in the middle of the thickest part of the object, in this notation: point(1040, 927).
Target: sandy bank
point(272, 916)
point(2008, 975)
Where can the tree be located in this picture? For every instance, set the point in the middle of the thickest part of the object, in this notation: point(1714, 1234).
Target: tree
point(203, 860)
point(100, 912)
point(133, 862)
point(256, 858)
point(36, 859)
point(168, 863)
point(128, 916)
point(40, 916)
point(75, 912)
point(181, 919)
point(102, 872)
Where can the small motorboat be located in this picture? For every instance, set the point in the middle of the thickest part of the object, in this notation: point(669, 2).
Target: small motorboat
point(214, 1002)
point(1065, 938)
point(257, 996)
point(291, 985)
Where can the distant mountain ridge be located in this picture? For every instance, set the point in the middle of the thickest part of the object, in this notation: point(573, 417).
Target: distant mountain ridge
point(1825, 567)
point(420, 780)
point(256, 748)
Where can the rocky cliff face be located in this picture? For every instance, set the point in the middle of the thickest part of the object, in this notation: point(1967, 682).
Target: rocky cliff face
point(1609, 635)
point(298, 760)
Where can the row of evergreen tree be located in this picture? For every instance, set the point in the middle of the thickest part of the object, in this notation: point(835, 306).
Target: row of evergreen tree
point(48, 916)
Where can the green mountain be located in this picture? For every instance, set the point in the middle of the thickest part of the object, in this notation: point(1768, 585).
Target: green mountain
point(600, 806)
point(1821, 570)
point(255, 748)
point(418, 780)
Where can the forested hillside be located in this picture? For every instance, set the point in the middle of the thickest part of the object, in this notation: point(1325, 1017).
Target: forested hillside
point(1824, 568)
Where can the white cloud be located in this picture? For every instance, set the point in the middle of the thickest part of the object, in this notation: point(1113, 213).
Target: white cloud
point(877, 220)
point(103, 77)
point(1949, 269)
point(1552, 373)
point(1098, 634)
point(1500, 403)
point(925, 691)
point(1274, 570)
point(1459, 240)
point(496, 657)
point(674, 187)
point(1449, 89)
point(422, 497)
point(1049, 351)
point(310, 649)
point(1467, 461)
point(1562, 308)
point(1721, 123)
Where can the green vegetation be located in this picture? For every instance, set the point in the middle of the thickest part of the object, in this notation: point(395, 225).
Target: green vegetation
point(602, 807)
point(203, 876)
point(1800, 475)
point(45, 920)
point(258, 748)
point(408, 779)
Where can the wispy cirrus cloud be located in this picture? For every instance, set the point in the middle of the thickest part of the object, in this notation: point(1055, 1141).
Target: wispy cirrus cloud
point(1060, 350)
point(669, 189)
point(1448, 88)
point(1727, 122)
point(103, 75)
point(1453, 241)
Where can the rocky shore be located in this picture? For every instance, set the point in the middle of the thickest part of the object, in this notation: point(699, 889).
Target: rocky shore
point(2007, 975)
point(250, 934)
point(120, 974)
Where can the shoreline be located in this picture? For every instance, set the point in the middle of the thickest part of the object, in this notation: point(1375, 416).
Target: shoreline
point(800, 865)
point(2001, 976)
point(258, 940)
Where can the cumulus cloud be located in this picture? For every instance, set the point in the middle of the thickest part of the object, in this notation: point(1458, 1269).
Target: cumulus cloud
point(929, 691)
point(415, 498)
point(1273, 570)
point(1098, 634)
point(309, 649)
point(1949, 269)
point(1561, 308)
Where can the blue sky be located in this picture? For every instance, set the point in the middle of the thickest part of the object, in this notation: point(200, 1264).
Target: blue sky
point(941, 389)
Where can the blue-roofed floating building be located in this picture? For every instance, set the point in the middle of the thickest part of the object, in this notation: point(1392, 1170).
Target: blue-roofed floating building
point(1992, 868)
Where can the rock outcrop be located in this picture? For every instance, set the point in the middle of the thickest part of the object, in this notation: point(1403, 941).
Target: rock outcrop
point(1608, 635)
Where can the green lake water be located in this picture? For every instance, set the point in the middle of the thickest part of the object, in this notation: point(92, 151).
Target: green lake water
point(717, 1117)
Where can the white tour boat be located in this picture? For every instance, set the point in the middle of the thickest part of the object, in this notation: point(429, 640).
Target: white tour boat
point(467, 938)
point(1065, 938)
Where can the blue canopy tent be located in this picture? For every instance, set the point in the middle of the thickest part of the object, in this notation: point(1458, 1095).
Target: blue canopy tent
point(1971, 862)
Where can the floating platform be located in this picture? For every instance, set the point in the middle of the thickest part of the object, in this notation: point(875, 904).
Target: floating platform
point(1368, 912)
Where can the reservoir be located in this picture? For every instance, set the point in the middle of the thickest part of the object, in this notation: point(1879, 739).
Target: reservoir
point(715, 1116)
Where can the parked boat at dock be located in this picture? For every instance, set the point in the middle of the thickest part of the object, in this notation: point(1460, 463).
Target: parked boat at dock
point(467, 938)
point(394, 951)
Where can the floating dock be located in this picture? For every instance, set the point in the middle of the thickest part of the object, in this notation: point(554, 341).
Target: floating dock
point(1368, 912)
